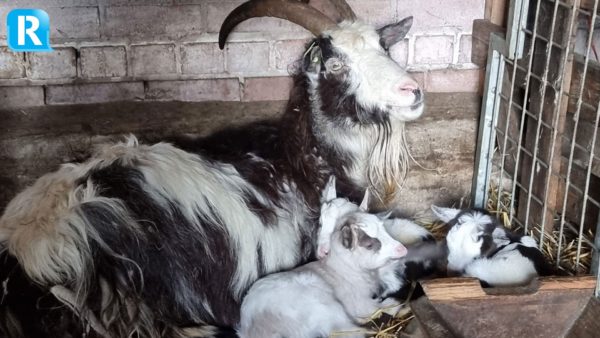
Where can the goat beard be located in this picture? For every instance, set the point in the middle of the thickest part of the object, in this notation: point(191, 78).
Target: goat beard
point(387, 165)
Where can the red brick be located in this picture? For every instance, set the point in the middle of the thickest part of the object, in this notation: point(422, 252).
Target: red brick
point(375, 12)
point(11, 64)
point(453, 80)
point(142, 22)
point(57, 64)
point(217, 12)
point(194, 91)
point(285, 54)
point(153, 59)
point(109, 61)
point(464, 53)
point(202, 58)
point(432, 15)
point(267, 88)
point(434, 49)
point(30, 96)
point(95, 93)
point(68, 23)
point(247, 57)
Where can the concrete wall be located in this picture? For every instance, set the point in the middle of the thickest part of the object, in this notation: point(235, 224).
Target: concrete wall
point(115, 50)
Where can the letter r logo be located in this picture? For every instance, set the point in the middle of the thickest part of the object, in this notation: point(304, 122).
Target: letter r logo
point(28, 30)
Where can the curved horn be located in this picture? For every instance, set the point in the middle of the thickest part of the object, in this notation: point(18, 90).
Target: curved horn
point(297, 12)
point(344, 9)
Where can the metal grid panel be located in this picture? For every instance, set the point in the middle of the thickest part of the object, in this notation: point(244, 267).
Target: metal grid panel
point(538, 158)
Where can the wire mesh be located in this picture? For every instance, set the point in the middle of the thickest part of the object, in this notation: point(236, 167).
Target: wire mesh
point(543, 145)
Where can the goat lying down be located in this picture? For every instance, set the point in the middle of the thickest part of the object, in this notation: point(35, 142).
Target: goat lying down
point(478, 246)
point(146, 238)
point(335, 293)
point(422, 257)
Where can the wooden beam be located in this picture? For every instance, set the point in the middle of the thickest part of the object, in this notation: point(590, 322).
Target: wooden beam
point(588, 5)
point(466, 288)
point(548, 307)
point(591, 90)
point(495, 11)
point(481, 40)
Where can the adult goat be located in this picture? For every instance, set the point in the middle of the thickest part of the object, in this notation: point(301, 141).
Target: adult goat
point(146, 239)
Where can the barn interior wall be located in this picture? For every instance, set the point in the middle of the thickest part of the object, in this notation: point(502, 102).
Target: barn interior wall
point(144, 51)
point(167, 50)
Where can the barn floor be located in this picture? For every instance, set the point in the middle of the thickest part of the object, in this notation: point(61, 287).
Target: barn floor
point(36, 140)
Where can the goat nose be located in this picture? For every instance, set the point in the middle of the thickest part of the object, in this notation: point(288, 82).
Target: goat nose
point(401, 250)
point(408, 88)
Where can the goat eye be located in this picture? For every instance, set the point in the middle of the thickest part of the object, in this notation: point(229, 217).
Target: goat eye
point(336, 65)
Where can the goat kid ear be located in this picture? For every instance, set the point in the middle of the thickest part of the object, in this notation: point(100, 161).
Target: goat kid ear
point(364, 205)
point(329, 192)
point(444, 214)
point(393, 33)
point(347, 236)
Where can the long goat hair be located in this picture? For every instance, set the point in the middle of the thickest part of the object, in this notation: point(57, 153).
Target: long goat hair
point(163, 240)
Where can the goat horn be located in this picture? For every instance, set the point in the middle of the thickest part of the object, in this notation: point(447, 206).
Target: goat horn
point(297, 12)
point(344, 9)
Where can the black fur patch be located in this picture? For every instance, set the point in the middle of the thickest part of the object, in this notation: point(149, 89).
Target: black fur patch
point(178, 274)
point(542, 266)
point(38, 313)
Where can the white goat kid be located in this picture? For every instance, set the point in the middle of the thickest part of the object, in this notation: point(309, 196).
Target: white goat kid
point(331, 294)
point(478, 246)
point(333, 208)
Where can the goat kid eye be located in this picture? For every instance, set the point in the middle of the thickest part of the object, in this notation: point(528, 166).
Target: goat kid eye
point(336, 66)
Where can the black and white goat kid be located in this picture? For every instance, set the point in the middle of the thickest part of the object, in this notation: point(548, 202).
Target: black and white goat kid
point(146, 239)
point(478, 246)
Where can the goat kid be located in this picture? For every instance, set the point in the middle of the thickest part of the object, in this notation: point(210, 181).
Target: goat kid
point(478, 246)
point(334, 293)
point(419, 261)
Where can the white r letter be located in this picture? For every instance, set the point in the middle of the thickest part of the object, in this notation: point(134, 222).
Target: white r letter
point(35, 24)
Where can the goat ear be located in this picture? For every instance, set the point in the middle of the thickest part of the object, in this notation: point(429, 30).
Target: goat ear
point(444, 214)
point(329, 192)
point(312, 59)
point(364, 205)
point(347, 236)
point(393, 33)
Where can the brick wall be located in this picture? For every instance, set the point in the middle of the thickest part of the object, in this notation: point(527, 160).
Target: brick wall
point(115, 50)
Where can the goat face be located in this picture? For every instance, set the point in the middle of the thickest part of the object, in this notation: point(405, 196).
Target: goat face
point(369, 245)
point(353, 78)
point(471, 235)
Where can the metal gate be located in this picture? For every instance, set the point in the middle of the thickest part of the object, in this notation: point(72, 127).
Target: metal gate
point(538, 156)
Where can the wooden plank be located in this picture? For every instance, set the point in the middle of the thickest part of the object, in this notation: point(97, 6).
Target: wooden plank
point(481, 40)
point(462, 288)
point(587, 325)
point(588, 5)
point(495, 11)
point(430, 323)
point(464, 309)
point(591, 89)
point(450, 289)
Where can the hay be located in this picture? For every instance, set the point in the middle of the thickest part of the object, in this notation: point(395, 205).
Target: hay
point(499, 204)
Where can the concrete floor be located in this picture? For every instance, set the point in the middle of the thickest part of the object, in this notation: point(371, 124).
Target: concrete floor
point(34, 141)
